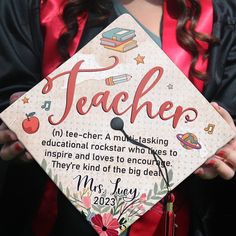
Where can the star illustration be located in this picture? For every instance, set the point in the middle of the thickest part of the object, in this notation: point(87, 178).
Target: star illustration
point(170, 86)
point(25, 100)
point(139, 59)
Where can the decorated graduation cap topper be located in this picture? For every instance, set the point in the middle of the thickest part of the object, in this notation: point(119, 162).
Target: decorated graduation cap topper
point(116, 121)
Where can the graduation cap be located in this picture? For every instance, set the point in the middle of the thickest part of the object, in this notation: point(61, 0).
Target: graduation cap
point(116, 130)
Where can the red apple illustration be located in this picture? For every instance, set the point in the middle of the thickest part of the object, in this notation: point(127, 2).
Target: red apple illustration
point(31, 124)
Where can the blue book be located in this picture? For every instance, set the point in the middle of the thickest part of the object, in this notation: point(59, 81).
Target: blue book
point(119, 34)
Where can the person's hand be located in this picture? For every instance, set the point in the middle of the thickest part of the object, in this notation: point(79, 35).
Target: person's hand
point(223, 163)
point(12, 148)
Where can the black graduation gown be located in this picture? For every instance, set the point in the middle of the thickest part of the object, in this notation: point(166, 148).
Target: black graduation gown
point(21, 186)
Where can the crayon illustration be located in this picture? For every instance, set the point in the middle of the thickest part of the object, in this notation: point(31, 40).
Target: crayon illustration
point(118, 79)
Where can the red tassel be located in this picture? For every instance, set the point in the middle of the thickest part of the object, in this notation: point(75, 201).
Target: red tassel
point(46, 216)
point(170, 216)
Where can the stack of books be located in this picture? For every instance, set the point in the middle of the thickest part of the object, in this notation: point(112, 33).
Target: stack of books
point(119, 39)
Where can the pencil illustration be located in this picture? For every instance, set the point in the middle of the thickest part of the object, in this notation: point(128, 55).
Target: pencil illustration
point(118, 79)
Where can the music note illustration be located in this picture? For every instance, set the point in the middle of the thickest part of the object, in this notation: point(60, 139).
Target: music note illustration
point(210, 128)
point(46, 106)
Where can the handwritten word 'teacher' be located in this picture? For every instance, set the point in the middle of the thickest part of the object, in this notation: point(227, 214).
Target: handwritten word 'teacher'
point(101, 98)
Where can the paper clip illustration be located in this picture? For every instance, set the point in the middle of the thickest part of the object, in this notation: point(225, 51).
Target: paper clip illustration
point(118, 79)
point(46, 106)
